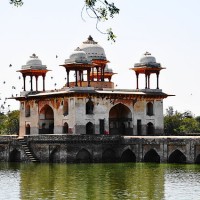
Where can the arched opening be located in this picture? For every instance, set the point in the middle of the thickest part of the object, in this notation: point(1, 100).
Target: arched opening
point(89, 107)
point(65, 107)
point(108, 156)
point(120, 120)
point(150, 129)
point(128, 156)
point(83, 156)
point(89, 128)
point(55, 156)
point(14, 156)
point(152, 156)
point(149, 109)
point(27, 110)
point(177, 157)
point(65, 128)
point(197, 161)
point(28, 129)
point(46, 120)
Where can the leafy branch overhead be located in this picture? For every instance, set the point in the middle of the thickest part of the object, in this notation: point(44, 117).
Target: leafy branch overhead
point(101, 10)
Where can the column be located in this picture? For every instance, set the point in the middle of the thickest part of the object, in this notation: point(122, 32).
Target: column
point(88, 77)
point(43, 77)
point(31, 82)
point(145, 81)
point(67, 77)
point(137, 77)
point(76, 78)
point(148, 76)
point(157, 74)
point(24, 79)
point(36, 82)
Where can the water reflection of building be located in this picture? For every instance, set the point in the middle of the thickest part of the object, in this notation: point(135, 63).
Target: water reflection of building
point(88, 103)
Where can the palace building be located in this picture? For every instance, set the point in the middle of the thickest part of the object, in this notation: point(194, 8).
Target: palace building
point(89, 103)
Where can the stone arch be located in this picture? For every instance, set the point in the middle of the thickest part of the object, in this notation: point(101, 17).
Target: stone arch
point(149, 108)
point(150, 129)
point(83, 156)
point(89, 107)
point(152, 156)
point(15, 156)
point(109, 156)
point(177, 157)
point(89, 128)
point(55, 155)
point(128, 156)
point(65, 128)
point(46, 120)
point(197, 160)
point(28, 129)
point(27, 110)
point(120, 120)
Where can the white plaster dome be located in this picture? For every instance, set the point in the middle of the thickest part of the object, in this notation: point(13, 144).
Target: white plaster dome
point(147, 58)
point(77, 56)
point(34, 63)
point(93, 49)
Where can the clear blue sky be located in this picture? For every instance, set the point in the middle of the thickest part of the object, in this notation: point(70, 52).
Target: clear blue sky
point(168, 29)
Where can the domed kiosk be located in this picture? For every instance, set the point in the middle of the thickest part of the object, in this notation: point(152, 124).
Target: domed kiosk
point(147, 66)
point(33, 68)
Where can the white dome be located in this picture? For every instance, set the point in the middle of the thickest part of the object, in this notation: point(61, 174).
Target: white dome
point(34, 63)
point(92, 49)
point(107, 69)
point(147, 58)
point(77, 56)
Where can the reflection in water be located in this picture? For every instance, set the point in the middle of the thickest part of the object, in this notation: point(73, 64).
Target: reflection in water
point(100, 181)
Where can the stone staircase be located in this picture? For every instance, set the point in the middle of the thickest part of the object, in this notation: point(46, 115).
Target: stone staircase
point(27, 150)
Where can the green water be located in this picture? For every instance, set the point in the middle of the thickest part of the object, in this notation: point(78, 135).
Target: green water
point(99, 181)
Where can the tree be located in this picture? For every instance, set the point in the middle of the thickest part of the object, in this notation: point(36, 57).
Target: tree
point(101, 10)
point(10, 123)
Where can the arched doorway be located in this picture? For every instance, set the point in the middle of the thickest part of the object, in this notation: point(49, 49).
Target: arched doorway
point(177, 157)
point(83, 156)
point(150, 129)
point(89, 128)
point(28, 129)
point(120, 120)
point(15, 156)
point(128, 156)
point(65, 127)
point(108, 156)
point(46, 120)
point(152, 156)
point(55, 156)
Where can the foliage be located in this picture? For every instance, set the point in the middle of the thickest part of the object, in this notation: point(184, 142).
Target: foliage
point(180, 123)
point(101, 10)
point(9, 123)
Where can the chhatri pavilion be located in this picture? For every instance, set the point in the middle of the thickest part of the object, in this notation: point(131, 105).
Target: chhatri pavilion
point(89, 103)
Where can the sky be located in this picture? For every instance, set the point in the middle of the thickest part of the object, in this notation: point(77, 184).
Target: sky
point(169, 30)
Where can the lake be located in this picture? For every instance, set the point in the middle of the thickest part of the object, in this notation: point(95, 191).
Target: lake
point(123, 181)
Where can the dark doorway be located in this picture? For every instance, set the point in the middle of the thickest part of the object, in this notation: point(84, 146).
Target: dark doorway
point(128, 156)
point(152, 156)
point(139, 127)
point(89, 128)
point(15, 156)
point(28, 129)
point(150, 129)
point(83, 156)
point(65, 127)
point(108, 156)
point(101, 126)
point(177, 157)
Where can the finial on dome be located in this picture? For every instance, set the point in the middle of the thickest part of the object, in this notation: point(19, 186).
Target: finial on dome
point(77, 49)
point(33, 56)
point(147, 53)
point(90, 40)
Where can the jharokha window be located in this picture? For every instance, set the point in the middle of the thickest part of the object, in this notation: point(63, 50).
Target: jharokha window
point(27, 111)
point(149, 109)
point(89, 106)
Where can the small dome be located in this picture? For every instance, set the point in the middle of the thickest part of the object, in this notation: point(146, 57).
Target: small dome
point(77, 56)
point(92, 49)
point(147, 58)
point(107, 69)
point(34, 63)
